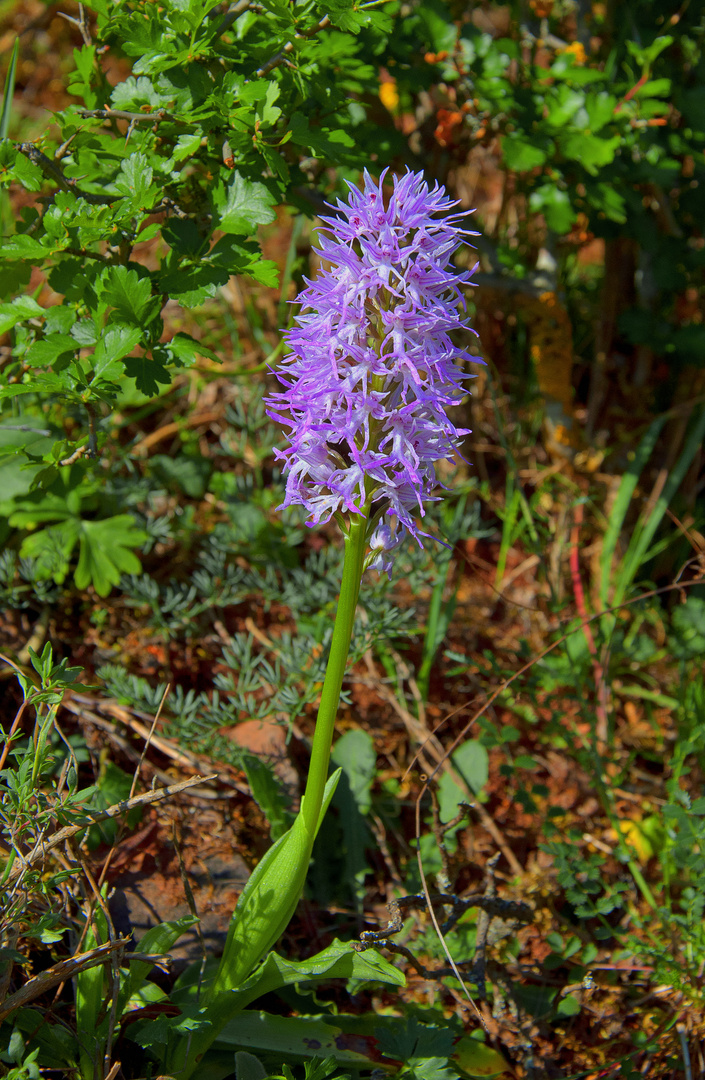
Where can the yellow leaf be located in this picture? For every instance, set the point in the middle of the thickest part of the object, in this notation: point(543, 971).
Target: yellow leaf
point(479, 1060)
point(636, 839)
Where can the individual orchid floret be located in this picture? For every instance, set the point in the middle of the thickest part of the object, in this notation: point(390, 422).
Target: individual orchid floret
point(372, 369)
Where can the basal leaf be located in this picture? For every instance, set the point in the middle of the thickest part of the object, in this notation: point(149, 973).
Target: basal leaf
point(472, 762)
point(267, 793)
point(355, 753)
point(158, 939)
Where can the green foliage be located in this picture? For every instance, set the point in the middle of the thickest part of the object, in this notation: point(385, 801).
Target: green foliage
point(603, 132)
point(267, 793)
point(341, 853)
point(472, 763)
point(688, 640)
point(28, 810)
point(26, 1068)
point(156, 195)
point(105, 545)
point(204, 123)
point(423, 1049)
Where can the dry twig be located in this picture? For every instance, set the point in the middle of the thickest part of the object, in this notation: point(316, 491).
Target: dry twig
point(94, 816)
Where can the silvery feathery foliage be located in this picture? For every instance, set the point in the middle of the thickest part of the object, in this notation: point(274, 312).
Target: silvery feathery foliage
point(372, 369)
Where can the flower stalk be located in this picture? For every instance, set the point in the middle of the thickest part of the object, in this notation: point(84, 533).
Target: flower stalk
point(355, 548)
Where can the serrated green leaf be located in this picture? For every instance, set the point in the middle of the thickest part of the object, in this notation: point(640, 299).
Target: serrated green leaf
point(115, 344)
point(43, 382)
point(242, 206)
point(149, 372)
point(132, 93)
point(600, 110)
point(59, 319)
point(85, 332)
point(26, 173)
point(186, 146)
point(19, 310)
point(193, 285)
point(135, 181)
point(267, 111)
point(343, 15)
point(591, 151)
point(520, 155)
point(130, 295)
point(186, 349)
point(45, 351)
point(562, 105)
point(320, 142)
point(20, 246)
point(555, 205)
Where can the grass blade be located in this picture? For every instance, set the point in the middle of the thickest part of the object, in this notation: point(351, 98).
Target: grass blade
point(9, 91)
point(644, 532)
point(619, 511)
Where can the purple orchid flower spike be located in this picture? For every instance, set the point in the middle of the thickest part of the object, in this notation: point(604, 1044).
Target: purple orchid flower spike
point(372, 368)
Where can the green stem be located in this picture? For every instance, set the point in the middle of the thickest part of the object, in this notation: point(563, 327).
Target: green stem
point(335, 671)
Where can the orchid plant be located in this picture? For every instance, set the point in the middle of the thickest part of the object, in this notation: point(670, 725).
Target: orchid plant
point(370, 373)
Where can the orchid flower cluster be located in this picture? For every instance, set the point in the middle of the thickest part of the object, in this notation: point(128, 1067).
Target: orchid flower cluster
point(372, 368)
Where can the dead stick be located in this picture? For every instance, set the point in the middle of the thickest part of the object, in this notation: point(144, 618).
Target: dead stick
point(94, 816)
point(60, 972)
